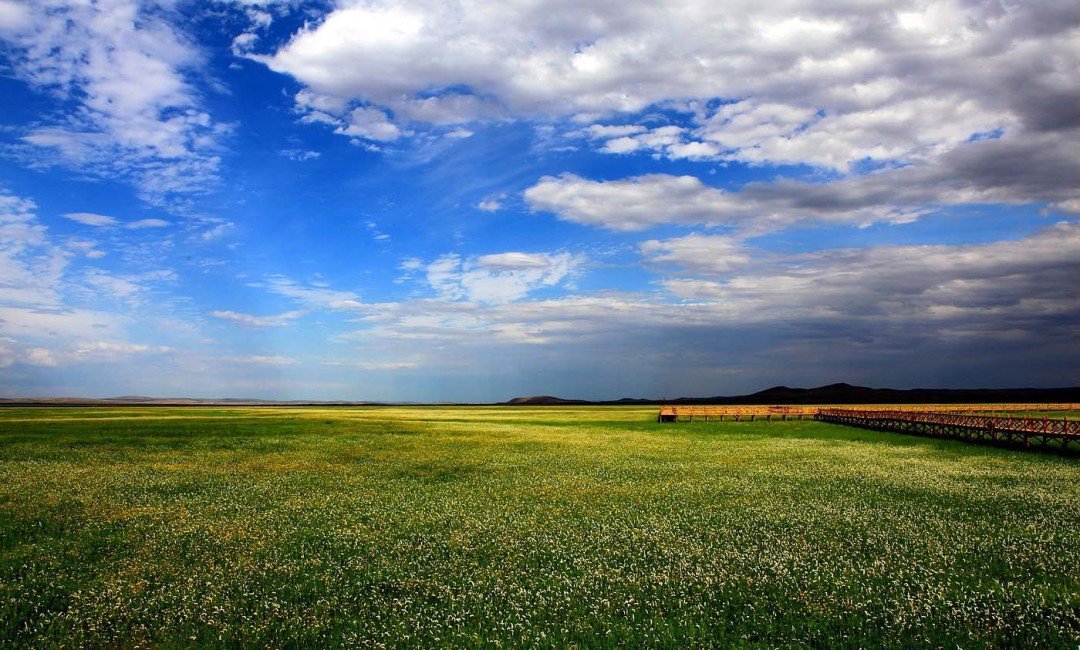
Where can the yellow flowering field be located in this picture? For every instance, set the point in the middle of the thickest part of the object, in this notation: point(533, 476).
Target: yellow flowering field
point(522, 527)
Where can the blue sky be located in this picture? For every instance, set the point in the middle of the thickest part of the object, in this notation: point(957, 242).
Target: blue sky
point(471, 201)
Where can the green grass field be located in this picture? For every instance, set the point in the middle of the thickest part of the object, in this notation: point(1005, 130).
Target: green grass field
point(536, 527)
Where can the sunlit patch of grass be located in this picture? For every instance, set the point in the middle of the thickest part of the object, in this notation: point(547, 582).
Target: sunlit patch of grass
point(483, 526)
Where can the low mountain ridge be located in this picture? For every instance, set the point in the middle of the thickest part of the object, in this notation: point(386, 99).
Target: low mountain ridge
point(543, 400)
point(844, 393)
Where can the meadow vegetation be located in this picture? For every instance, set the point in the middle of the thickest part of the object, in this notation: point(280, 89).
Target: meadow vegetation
point(523, 527)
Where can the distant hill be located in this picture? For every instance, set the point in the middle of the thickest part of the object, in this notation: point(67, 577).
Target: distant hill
point(847, 394)
point(544, 400)
point(842, 393)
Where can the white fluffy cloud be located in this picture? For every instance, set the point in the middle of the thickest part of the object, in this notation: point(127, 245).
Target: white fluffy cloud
point(1040, 168)
point(502, 277)
point(65, 353)
point(697, 253)
point(763, 132)
point(892, 129)
point(139, 117)
point(635, 203)
point(371, 124)
point(643, 202)
point(811, 82)
point(999, 281)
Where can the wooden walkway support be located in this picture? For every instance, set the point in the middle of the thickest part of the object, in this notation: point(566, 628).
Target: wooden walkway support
point(1058, 434)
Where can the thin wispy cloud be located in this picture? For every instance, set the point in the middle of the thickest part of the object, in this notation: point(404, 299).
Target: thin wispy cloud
point(125, 69)
point(250, 320)
point(105, 221)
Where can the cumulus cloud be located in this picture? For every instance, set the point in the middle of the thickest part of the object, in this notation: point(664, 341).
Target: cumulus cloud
point(502, 277)
point(763, 132)
point(1008, 282)
point(953, 102)
point(697, 253)
point(13, 351)
point(796, 82)
point(40, 357)
point(371, 124)
point(67, 353)
point(635, 203)
point(1038, 169)
point(607, 131)
point(898, 129)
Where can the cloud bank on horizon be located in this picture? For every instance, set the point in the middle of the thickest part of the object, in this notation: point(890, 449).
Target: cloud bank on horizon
point(473, 200)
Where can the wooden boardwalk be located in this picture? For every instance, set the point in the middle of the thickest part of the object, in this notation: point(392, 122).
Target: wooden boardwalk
point(687, 413)
point(1058, 434)
point(796, 412)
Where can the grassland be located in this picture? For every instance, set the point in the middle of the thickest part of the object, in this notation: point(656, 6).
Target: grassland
point(590, 527)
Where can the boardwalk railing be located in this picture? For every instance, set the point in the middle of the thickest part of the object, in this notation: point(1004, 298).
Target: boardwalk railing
point(687, 413)
point(972, 408)
point(1050, 433)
